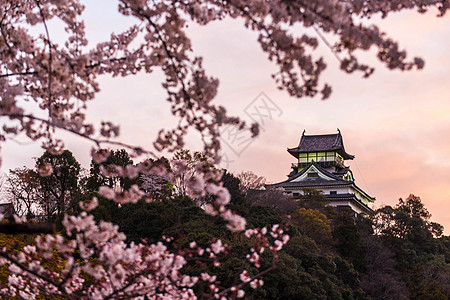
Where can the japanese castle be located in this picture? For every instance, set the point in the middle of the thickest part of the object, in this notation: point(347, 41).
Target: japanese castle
point(321, 166)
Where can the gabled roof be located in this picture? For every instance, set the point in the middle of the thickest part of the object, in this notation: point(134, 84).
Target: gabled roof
point(341, 171)
point(321, 143)
point(314, 182)
point(318, 182)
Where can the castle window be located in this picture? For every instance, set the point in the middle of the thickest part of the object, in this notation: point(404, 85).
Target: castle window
point(303, 157)
point(333, 192)
point(313, 175)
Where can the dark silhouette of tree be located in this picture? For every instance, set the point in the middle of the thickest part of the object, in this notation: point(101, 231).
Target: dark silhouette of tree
point(60, 187)
point(348, 241)
point(104, 173)
point(381, 280)
point(250, 181)
point(407, 231)
point(314, 223)
point(409, 219)
point(24, 191)
point(273, 198)
point(232, 184)
point(313, 199)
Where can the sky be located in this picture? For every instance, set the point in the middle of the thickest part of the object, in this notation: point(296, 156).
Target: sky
point(397, 124)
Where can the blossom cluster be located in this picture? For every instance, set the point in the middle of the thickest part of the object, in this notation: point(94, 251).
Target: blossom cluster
point(106, 267)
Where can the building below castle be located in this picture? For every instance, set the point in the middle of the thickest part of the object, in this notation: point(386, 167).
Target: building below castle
point(320, 165)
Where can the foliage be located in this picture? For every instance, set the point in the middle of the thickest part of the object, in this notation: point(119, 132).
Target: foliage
point(60, 187)
point(23, 190)
point(348, 241)
point(274, 198)
point(313, 199)
point(314, 223)
point(233, 185)
point(407, 231)
point(49, 190)
point(408, 220)
point(104, 173)
point(381, 280)
point(250, 181)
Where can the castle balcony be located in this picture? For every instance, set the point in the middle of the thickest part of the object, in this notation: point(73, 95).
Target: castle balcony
point(337, 161)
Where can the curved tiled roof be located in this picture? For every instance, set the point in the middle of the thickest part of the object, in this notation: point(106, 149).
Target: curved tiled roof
point(316, 182)
point(322, 143)
point(352, 198)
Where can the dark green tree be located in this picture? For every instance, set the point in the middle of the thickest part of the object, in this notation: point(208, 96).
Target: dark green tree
point(97, 178)
point(408, 232)
point(409, 220)
point(313, 199)
point(348, 241)
point(23, 191)
point(232, 184)
point(60, 187)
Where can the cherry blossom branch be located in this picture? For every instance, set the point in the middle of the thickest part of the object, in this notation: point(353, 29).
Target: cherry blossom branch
point(50, 57)
point(18, 73)
point(1, 25)
point(98, 142)
point(36, 274)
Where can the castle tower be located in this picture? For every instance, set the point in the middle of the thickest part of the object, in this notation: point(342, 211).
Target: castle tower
point(320, 165)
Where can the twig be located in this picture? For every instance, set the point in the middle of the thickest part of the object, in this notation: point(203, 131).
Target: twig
point(28, 270)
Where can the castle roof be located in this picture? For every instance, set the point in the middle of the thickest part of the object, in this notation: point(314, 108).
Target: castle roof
point(321, 143)
point(300, 180)
point(332, 179)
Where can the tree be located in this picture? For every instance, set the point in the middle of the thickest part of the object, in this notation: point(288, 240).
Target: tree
point(251, 181)
point(232, 184)
point(105, 173)
point(274, 198)
point(23, 190)
point(407, 231)
point(315, 224)
point(348, 241)
point(381, 280)
point(60, 187)
point(157, 186)
point(186, 166)
point(313, 199)
point(408, 220)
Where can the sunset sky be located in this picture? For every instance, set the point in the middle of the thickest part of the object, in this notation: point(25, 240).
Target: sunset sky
point(396, 124)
